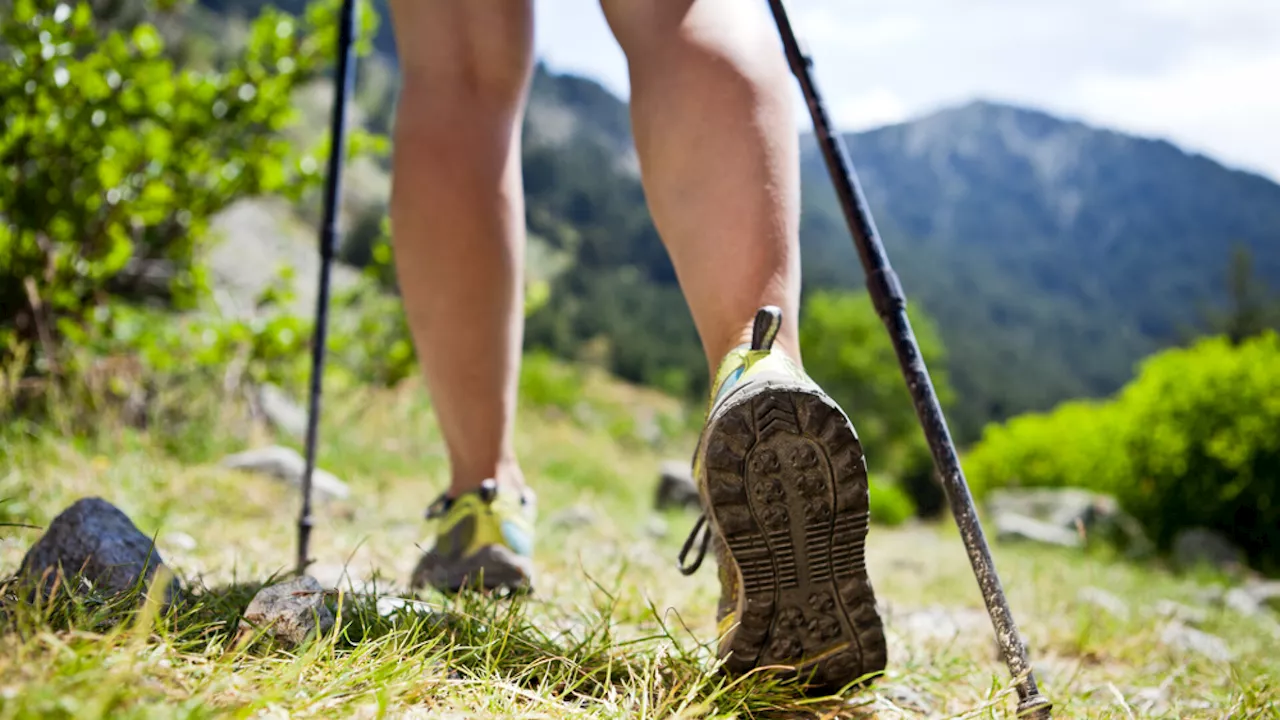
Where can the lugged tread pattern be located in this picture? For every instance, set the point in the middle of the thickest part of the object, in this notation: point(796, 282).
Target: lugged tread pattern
point(787, 486)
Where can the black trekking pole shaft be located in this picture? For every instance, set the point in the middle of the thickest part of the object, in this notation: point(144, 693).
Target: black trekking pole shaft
point(344, 81)
point(890, 302)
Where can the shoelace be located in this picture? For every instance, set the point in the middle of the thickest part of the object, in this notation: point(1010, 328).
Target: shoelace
point(699, 528)
point(440, 506)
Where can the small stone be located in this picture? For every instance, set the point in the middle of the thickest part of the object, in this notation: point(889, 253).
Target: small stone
point(94, 540)
point(656, 528)
point(285, 464)
point(1076, 511)
point(282, 411)
point(1188, 639)
point(1104, 600)
point(1265, 593)
point(1201, 546)
point(940, 623)
point(905, 697)
point(1242, 601)
point(1044, 673)
point(573, 517)
point(1013, 527)
point(291, 611)
point(676, 487)
point(1151, 701)
point(1212, 596)
point(180, 541)
point(1180, 613)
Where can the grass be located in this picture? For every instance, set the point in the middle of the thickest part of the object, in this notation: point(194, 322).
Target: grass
point(613, 631)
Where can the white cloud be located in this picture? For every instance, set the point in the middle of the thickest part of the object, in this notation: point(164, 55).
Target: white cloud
point(1204, 75)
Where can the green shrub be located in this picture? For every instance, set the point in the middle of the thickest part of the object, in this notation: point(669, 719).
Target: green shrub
point(1203, 439)
point(1076, 444)
point(889, 504)
point(547, 382)
point(114, 160)
point(1193, 441)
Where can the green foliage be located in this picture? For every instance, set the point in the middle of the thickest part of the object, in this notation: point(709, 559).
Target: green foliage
point(1204, 442)
point(1077, 444)
point(848, 351)
point(1193, 441)
point(118, 155)
point(116, 159)
point(889, 504)
point(548, 383)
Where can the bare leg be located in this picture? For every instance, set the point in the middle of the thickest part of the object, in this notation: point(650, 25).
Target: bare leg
point(719, 153)
point(457, 212)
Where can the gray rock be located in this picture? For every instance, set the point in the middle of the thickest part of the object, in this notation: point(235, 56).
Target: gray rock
point(1201, 546)
point(1152, 701)
point(1241, 601)
point(254, 239)
point(1074, 510)
point(905, 697)
point(573, 517)
point(94, 540)
point(1180, 613)
point(1187, 639)
point(286, 415)
point(291, 611)
point(1253, 598)
point(1104, 600)
point(1265, 593)
point(1011, 526)
point(656, 528)
point(676, 488)
point(1046, 674)
point(285, 464)
point(940, 623)
point(180, 541)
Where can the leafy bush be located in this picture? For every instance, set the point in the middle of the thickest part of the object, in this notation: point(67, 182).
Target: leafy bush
point(889, 504)
point(115, 159)
point(546, 382)
point(1203, 438)
point(1075, 445)
point(1194, 440)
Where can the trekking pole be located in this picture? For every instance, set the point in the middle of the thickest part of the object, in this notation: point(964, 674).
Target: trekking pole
point(891, 304)
point(344, 80)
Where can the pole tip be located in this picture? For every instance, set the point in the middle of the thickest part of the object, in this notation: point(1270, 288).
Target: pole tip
point(1035, 707)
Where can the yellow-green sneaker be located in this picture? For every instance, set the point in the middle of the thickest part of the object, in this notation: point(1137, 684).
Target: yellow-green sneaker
point(484, 541)
point(784, 483)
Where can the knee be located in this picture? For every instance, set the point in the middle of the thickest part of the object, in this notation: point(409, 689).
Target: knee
point(671, 36)
point(471, 64)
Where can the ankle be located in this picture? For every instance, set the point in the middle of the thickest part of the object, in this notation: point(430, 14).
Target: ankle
point(506, 472)
point(786, 342)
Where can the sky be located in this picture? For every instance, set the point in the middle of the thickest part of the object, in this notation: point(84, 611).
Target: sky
point(1203, 74)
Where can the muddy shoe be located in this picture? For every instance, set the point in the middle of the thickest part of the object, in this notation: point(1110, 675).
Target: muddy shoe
point(782, 476)
point(484, 542)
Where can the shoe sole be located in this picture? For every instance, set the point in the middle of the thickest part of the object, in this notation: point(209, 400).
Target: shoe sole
point(786, 486)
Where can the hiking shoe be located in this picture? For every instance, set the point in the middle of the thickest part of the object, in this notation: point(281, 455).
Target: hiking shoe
point(484, 542)
point(784, 483)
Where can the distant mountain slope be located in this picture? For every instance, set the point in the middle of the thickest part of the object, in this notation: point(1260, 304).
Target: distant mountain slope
point(1053, 254)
